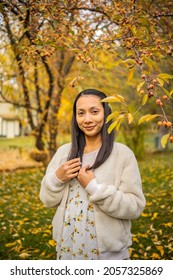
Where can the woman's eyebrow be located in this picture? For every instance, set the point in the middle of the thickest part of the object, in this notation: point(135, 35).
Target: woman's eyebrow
point(91, 108)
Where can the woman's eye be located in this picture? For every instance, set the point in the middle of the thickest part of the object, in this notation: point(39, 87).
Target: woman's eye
point(80, 113)
point(95, 112)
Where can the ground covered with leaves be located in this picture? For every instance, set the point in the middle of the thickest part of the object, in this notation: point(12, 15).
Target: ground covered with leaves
point(25, 224)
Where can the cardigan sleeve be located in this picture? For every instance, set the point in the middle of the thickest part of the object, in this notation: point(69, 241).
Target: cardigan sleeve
point(52, 189)
point(124, 201)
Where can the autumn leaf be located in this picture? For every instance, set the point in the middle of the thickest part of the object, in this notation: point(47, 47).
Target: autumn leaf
point(145, 214)
point(52, 243)
point(155, 256)
point(24, 255)
point(154, 216)
point(169, 224)
point(161, 249)
point(147, 118)
point(135, 239)
point(140, 86)
point(11, 244)
point(130, 118)
point(130, 74)
point(164, 140)
point(144, 99)
point(115, 98)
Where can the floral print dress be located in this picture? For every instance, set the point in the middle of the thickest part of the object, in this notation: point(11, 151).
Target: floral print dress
point(79, 239)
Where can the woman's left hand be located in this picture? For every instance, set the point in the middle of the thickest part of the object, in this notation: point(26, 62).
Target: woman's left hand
point(85, 175)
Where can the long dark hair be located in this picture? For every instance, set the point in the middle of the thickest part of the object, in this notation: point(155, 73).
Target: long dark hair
point(78, 137)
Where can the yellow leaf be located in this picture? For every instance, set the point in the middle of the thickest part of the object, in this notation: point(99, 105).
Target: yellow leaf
point(52, 243)
point(130, 118)
point(143, 119)
point(10, 244)
point(164, 140)
point(145, 215)
point(161, 82)
point(147, 118)
point(135, 256)
point(135, 239)
point(169, 224)
point(111, 116)
point(145, 99)
point(112, 126)
point(130, 74)
point(129, 61)
point(116, 124)
point(154, 216)
point(140, 86)
point(48, 231)
point(171, 92)
point(115, 98)
point(161, 249)
point(166, 77)
point(155, 256)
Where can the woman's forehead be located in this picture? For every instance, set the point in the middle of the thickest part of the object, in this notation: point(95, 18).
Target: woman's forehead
point(88, 101)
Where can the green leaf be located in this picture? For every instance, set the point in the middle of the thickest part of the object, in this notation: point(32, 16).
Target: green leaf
point(55, 23)
point(164, 140)
point(140, 86)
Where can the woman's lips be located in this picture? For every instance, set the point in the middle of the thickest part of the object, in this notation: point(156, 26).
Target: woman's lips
point(89, 127)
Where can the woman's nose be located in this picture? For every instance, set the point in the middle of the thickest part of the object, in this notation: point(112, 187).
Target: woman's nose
point(87, 117)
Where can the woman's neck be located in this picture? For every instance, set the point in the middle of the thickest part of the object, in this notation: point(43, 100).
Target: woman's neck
point(92, 144)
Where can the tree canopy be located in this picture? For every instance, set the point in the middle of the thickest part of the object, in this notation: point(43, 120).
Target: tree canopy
point(49, 48)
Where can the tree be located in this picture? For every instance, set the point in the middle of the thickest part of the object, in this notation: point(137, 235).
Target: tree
point(40, 78)
point(49, 35)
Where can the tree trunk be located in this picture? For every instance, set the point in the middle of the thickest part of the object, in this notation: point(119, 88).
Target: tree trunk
point(40, 145)
point(53, 123)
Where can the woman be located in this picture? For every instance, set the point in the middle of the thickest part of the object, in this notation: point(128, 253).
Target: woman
point(95, 184)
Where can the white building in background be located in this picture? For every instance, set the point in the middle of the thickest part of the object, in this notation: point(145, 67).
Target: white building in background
point(10, 124)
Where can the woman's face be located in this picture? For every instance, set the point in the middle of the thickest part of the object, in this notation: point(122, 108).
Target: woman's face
point(90, 115)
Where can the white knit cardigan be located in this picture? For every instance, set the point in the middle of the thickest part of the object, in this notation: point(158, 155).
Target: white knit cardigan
point(116, 194)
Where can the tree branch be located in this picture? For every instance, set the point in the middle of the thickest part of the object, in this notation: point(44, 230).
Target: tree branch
point(15, 103)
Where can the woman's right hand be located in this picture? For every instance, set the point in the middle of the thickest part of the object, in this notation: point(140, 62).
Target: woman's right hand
point(68, 170)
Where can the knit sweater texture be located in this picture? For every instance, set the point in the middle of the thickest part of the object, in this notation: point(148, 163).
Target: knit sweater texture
point(116, 194)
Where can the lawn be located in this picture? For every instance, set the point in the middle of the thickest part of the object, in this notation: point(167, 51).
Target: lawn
point(25, 224)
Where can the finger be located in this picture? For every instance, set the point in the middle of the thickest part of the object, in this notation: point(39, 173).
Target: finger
point(75, 169)
point(85, 168)
point(73, 161)
point(74, 175)
point(74, 165)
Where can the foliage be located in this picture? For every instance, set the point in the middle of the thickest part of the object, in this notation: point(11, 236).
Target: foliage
point(44, 42)
point(26, 224)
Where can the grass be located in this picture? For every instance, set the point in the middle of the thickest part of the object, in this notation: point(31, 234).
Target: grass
point(25, 224)
point(23, 142)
